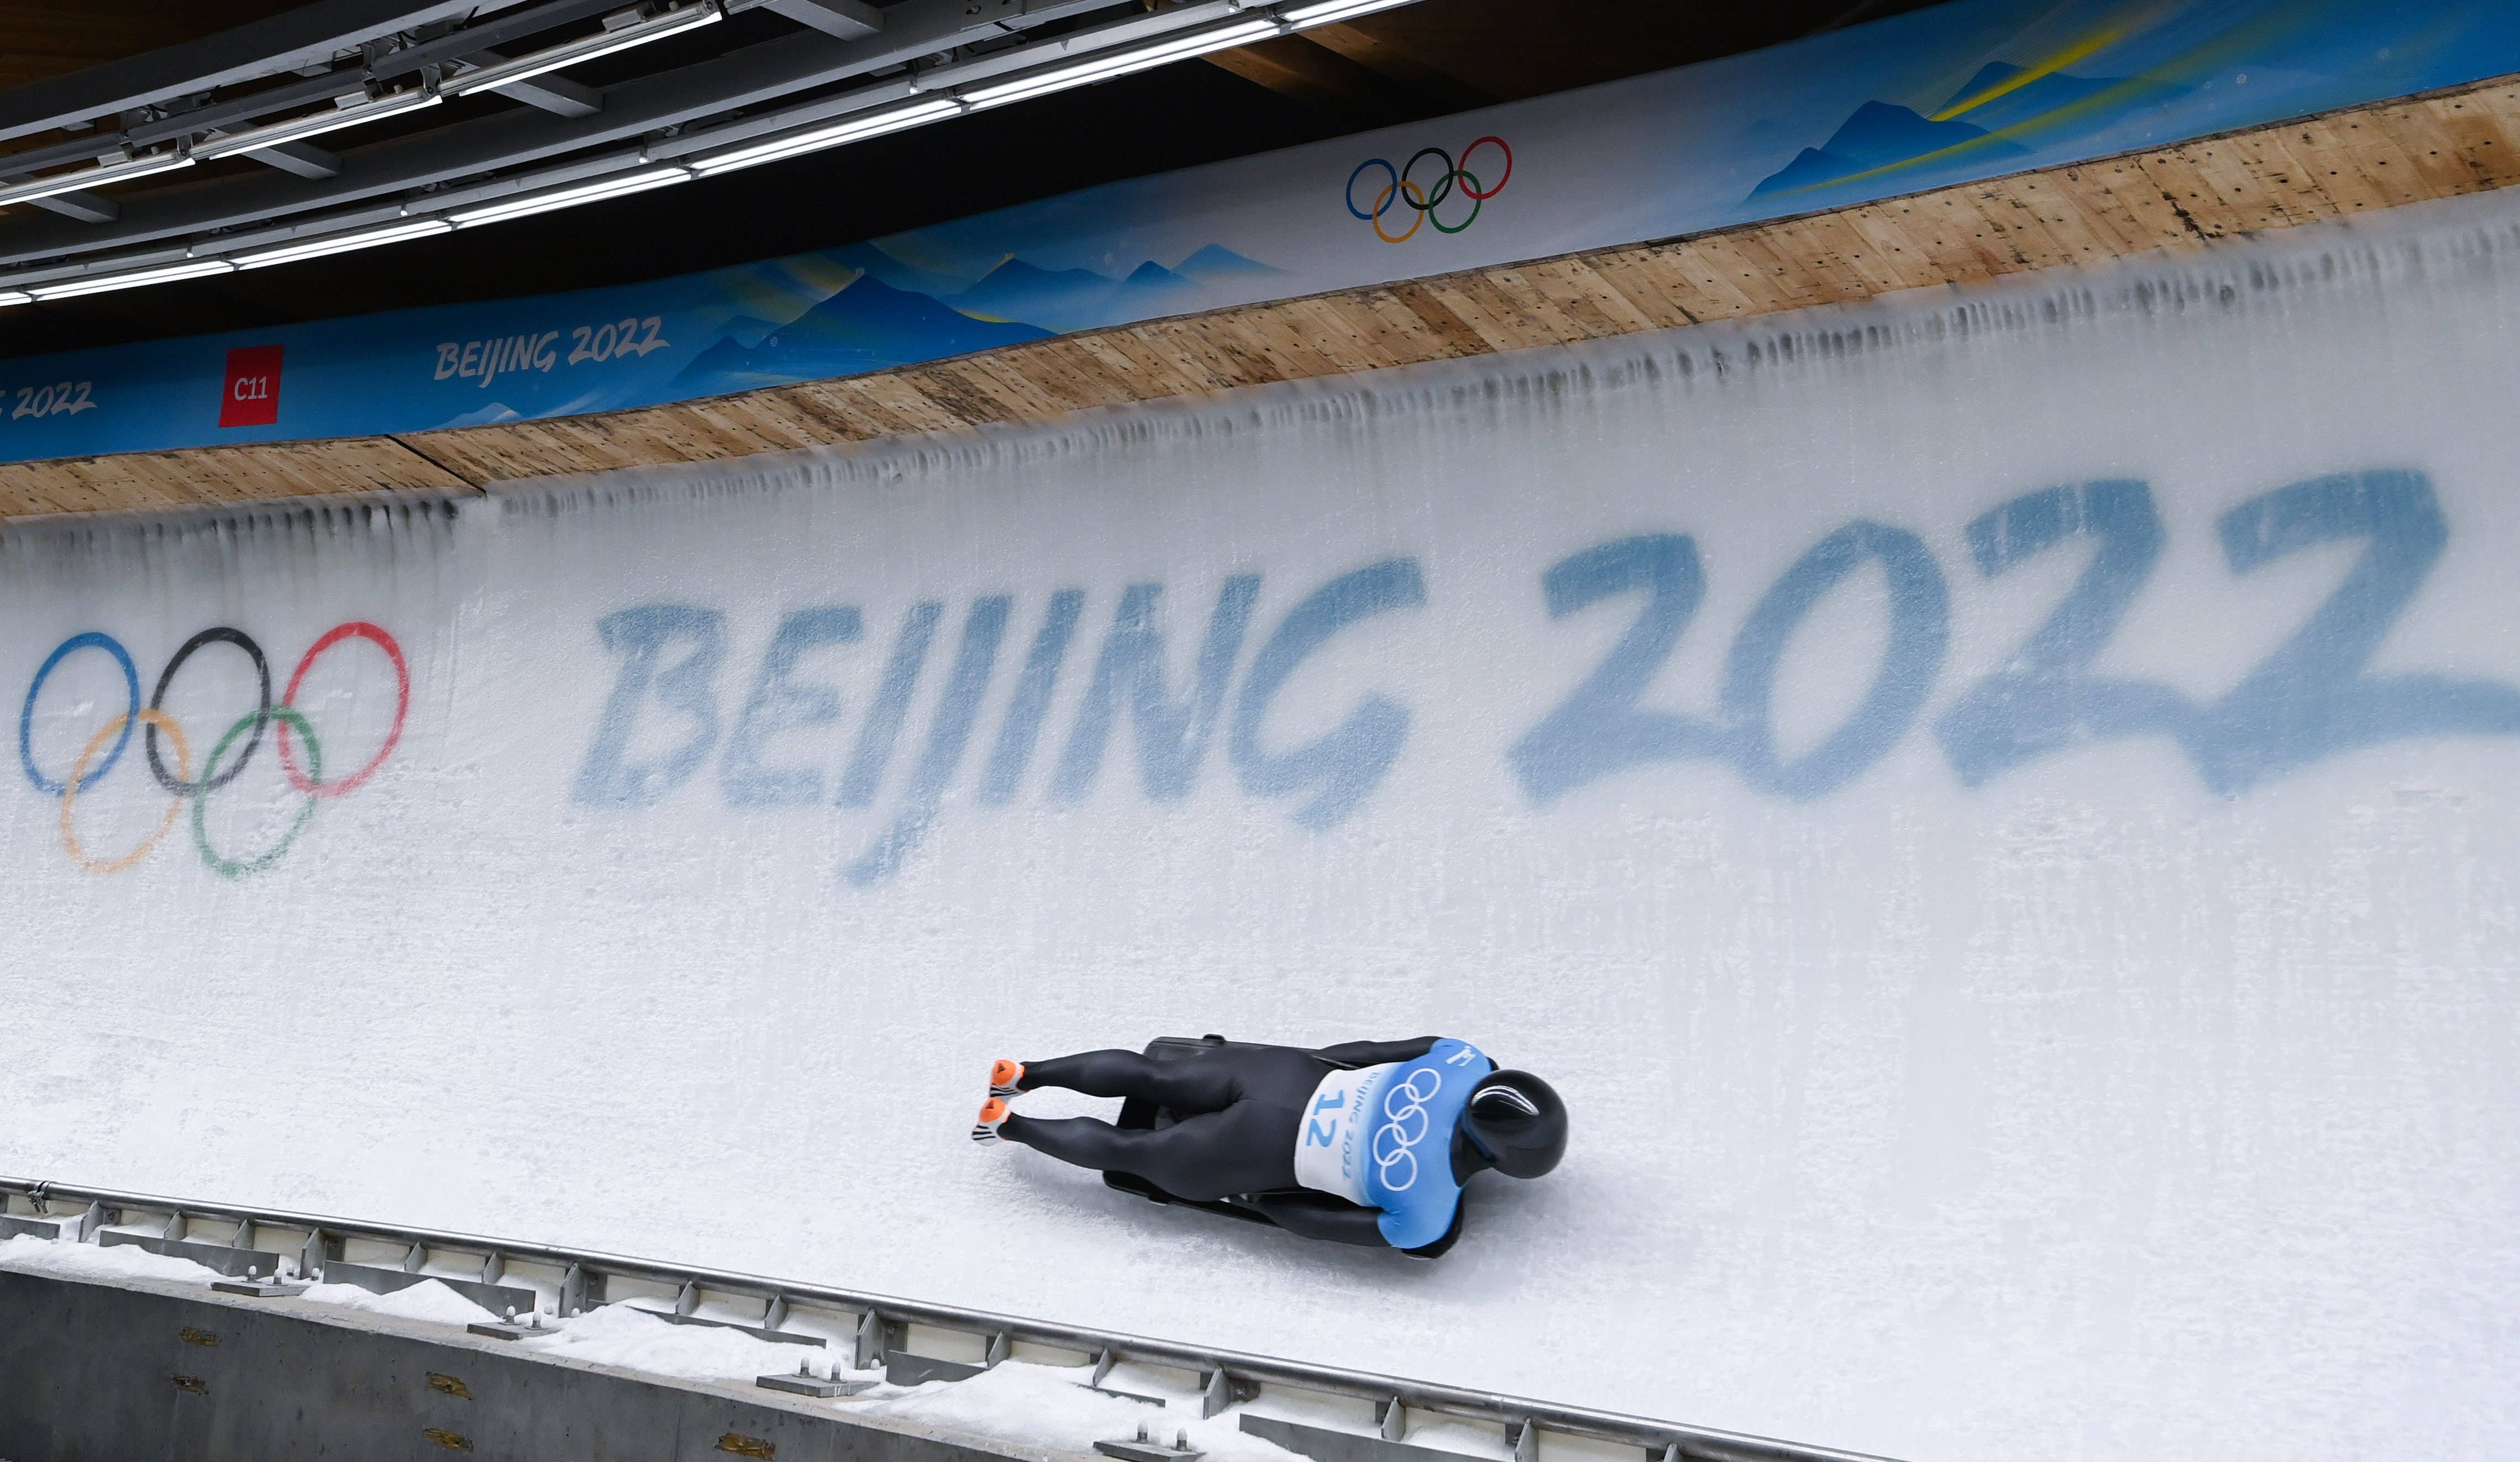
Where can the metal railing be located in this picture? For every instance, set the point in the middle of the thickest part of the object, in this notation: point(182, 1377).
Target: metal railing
point(573, 1280)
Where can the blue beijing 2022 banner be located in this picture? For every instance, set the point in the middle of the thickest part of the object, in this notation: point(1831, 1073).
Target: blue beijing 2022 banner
point(1963, 91)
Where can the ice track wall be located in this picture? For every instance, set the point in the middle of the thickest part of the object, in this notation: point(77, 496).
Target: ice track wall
point(1998, 810)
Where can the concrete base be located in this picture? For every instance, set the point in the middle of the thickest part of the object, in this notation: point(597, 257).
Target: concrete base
point(136, 1371)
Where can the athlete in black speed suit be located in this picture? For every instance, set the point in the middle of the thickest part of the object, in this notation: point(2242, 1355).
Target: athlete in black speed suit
point(1264, 1129)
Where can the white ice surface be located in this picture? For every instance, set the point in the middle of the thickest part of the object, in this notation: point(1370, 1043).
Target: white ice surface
point(2084, 1114)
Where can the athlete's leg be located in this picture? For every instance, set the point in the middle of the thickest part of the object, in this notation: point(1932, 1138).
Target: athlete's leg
point(1245, 1149)
point(1187, 1085)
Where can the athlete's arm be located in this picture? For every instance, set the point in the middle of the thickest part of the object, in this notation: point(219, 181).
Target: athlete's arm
point(1321, 1216)
point(1355, 1054)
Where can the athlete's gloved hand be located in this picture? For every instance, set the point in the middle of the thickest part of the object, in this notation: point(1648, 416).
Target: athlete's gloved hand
point(1321, 1215)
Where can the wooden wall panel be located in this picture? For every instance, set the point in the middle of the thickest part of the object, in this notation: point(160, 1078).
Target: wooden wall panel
point(2364, 158)
point(204, 476)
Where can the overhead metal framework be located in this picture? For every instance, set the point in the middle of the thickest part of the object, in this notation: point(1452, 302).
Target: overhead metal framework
point(284, 92)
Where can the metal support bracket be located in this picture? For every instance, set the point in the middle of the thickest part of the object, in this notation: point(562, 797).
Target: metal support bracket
point(259, 1289)
point(806, 1383)
point(233, 1262)
point(1218, 1390)
point(757, 1332)
point(498, 1299)
point(901, 1368)
point(1524, 1439)
point(875, 1337)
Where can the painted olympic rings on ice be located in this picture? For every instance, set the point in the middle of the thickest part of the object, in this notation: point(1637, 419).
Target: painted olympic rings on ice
point(218, 769)
point(120, 725)
point(26, 713)
point(1402, 187)
point(312, 782)
point(158, 701)
point(287, 716)
point(1400, 1154)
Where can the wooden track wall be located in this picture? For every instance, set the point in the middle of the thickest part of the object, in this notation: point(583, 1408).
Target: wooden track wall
point(2440, 145)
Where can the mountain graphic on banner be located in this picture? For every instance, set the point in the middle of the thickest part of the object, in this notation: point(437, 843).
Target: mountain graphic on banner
point(1215, 264)
point(1151, 291)
point(2000, 107)
point(869, 326)
point(487, 414)
point(898, 272)
point(1059, 299)
point(1073, 300)
point(1879, 135)
point(747, 330)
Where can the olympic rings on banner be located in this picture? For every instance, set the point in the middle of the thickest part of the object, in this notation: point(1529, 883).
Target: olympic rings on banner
point(1502, 178)
point(1381, 205)
point(1360, 172)
point(225, 868)
point(218, 770)
point(1401, 1154)
point(313, 785)
point(1403, 189)
point(156, 719)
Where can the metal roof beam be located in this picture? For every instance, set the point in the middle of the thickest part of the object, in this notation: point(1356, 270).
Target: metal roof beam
point(843, 20)
point(324, 84)
point(555, 94)
point(303, 158)
point(748, 78)
point(86, 207)
point(309, 35)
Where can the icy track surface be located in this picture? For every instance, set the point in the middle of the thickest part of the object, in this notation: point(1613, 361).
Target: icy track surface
point(1999, 810)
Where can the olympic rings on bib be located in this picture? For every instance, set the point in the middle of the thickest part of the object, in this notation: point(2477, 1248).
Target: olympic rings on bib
point(1400, 1154)
point(218, 770)
point(1402, 187)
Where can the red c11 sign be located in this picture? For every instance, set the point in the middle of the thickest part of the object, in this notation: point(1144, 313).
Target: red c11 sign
point(253, 394)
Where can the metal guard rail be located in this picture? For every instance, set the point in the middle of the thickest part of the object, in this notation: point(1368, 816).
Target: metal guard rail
point(1228, 1373)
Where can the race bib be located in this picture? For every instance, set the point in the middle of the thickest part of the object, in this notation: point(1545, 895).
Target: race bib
point(1331, 1148)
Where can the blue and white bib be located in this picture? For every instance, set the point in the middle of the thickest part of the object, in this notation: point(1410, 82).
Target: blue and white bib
point(1383, 1136)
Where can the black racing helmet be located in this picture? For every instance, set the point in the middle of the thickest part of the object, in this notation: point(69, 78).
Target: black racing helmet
point(1517, 1123)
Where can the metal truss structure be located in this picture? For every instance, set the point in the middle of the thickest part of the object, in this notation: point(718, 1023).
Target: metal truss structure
point(841, 71)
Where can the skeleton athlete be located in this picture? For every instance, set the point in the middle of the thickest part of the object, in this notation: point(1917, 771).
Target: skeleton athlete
point(1366, 1142)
